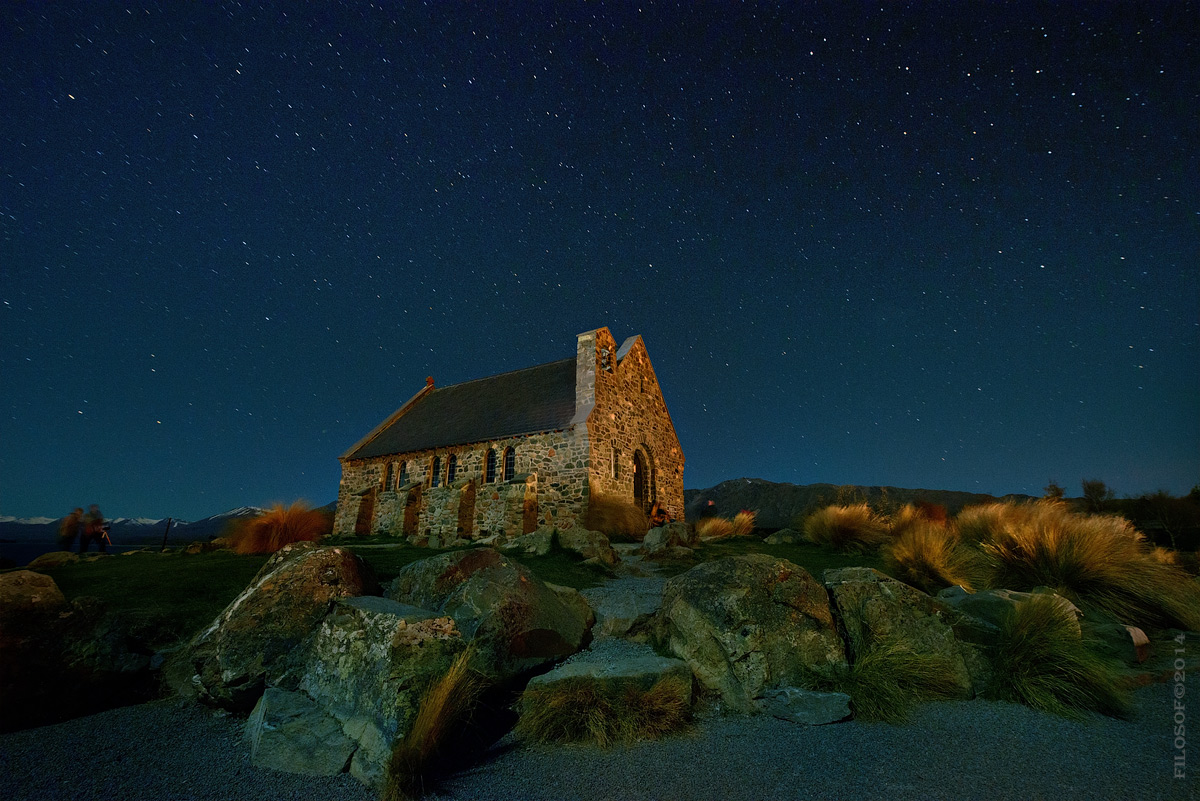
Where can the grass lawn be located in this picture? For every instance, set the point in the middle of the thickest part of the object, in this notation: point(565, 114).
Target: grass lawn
point(813, 558)
point(171, 594)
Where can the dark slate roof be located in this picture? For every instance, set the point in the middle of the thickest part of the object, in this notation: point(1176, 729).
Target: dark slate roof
point(528, 401)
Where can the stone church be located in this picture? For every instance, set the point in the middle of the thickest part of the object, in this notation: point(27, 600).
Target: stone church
point(511, 452)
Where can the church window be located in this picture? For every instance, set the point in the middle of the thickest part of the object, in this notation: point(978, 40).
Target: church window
point(510, 464)
point(434, 471)
point(451, 468)
point(489, 475)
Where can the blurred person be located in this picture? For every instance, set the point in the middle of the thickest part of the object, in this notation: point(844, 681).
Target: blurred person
point(68, 529)
point(93, 529)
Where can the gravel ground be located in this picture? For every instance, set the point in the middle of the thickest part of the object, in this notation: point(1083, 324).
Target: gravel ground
point(961, 751)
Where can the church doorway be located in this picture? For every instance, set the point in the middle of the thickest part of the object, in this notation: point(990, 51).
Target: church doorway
point(641, 481)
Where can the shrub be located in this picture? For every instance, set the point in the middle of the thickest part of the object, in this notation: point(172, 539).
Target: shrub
point(278, 527)
point(888, 678)
point(930, 557)
point(980, 523)
point(615, 518)
point(1093, 559)
point(847, 528)
point(1041, 662)
point(584, 711)
point(444, 706)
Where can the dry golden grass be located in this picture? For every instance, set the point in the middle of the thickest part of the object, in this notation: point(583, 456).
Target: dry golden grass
point(714, 528)
point(584, 711)
point(743, 523)
point(279, 526)
point(617, 519)
point(1093, 559)
point(854, 528)
point(445, 705)
point(710, 529)
point(979, 523)
point(929, 556)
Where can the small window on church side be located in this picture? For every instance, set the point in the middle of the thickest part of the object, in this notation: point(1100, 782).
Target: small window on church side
point(510, 464)
point(451, 468)
point(489, 475)
point(434, 478)
point(387, 476)
point(616, 462)
point(402, 477)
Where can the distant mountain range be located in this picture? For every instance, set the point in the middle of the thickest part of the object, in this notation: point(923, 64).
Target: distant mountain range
point(778, 505)
point(129, 530)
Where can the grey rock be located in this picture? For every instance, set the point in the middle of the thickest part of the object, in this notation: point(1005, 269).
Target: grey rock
point(809, 707)
point(987, 610)
point(749, 622)
point(535, 543)
point(875, 607)
point(785, 536)
point(589, 544)
point(287, 731)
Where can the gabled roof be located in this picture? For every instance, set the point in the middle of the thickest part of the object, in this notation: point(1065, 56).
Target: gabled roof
point(528, 401)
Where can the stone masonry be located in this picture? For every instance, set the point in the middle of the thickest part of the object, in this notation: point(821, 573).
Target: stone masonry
point(620, 442)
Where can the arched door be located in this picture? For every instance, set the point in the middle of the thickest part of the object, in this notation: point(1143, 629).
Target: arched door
point(641, 481)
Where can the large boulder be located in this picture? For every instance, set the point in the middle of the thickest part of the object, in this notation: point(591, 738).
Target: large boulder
point(785, 536)
point(535, 543)
point(60, 660)
point(588, 544)
point(515, 620)
point(287, 731)
point(807, 707)
point(672, 535)
point(749, 623)
point(367, 666)
point(874, 607)
point(257, 638)
point(985, 611)
point(53, 559)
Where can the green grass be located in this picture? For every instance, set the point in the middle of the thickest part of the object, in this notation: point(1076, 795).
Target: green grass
point(603, 713)
point(1041, 662)
point(813, 558)
point(170, 595)
point(888, 678)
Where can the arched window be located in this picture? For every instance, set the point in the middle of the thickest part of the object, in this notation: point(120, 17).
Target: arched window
point(387, 476)
point(402, 478)
point(451, 468)
point(510, 464)
point(434, 478)
point(489, 475)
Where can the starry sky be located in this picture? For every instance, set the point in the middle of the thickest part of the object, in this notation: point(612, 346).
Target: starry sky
point(949, 245)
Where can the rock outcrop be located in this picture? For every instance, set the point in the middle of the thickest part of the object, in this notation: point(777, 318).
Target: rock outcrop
point(257, 639)
point(749, 623)
point(60, 660)
point(515, 621)
point(873, 607)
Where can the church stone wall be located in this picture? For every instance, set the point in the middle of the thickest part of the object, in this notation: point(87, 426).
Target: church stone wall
point(630, 416)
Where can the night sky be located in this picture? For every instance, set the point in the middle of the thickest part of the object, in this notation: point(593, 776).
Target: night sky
point(948, 246)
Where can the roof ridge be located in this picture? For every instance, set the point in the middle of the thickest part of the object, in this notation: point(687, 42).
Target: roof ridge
point(507, 372)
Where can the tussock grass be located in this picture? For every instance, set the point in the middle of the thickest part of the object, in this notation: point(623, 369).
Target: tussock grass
point(1041, 662)
point(743, 523)
point(979, 523)
point(277, 527)
point(714, 528)
point(889, 678)
point(710, 529)
point(619, 520)
point(444, 706)
point(930, 556)
point(584, 711)
point(1096, 560)
point(854, 528)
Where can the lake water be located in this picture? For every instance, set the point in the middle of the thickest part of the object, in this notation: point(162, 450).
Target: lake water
point(25, 552)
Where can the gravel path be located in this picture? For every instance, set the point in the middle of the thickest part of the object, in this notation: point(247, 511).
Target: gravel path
point(960, 751)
